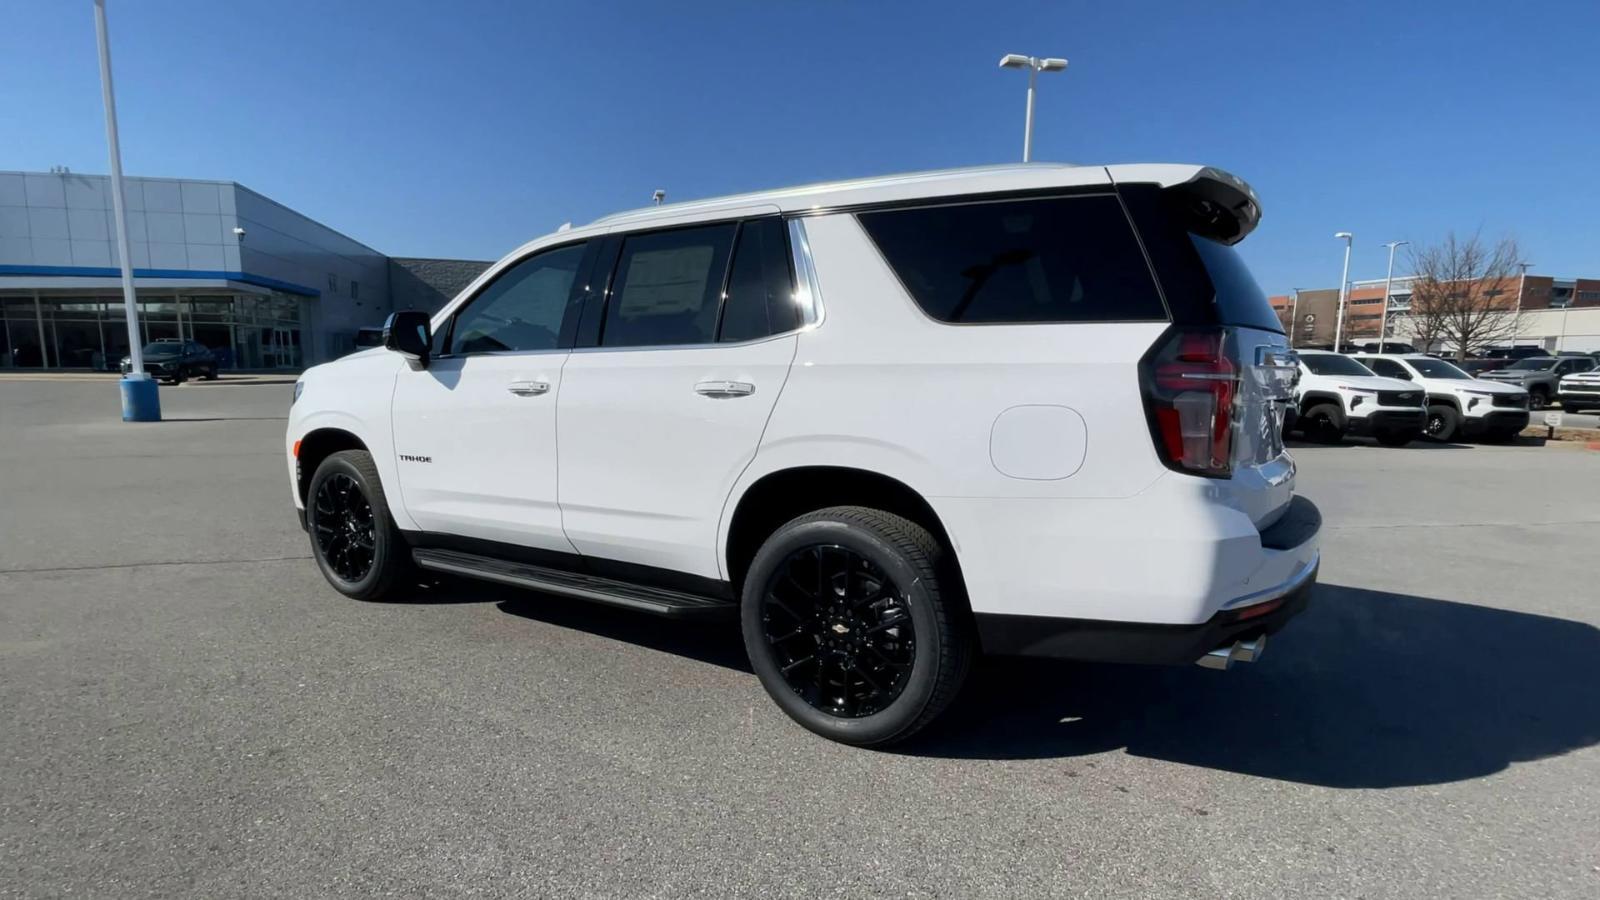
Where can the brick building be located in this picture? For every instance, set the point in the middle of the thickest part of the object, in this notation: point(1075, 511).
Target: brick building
point(1554, 313)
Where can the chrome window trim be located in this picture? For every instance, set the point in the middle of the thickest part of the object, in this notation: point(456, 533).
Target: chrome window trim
point(807, 294)
point(714, 345)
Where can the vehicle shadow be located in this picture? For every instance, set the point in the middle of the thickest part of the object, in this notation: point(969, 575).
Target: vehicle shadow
point(224, 418)
point(1366, 689)
point(235, 381)
point(717, 642)
point(1351, 441)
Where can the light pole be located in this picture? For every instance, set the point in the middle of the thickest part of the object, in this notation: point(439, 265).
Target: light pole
point(1034, 65)
point(1383, 323)
point(1344, 282)
point(1294, 315)
point(1522, 281)
point(140, 400)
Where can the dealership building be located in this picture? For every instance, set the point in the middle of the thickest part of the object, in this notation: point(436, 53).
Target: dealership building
point(214, 262)
point(1553, 313)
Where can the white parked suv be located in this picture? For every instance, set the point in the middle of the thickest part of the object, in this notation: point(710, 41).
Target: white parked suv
point(1337, 395)
point(890, 424)
point(1458, 404)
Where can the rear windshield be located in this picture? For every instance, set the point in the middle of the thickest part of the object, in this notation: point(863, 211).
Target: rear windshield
point(1333, 364)
point(1055, 259)
point(1239, 300)
point(1533, 365)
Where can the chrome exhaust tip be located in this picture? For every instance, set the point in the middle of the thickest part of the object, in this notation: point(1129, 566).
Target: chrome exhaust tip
point(1241, 651)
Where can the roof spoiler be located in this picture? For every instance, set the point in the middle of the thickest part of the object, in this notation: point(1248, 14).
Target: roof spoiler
point(1216, 205)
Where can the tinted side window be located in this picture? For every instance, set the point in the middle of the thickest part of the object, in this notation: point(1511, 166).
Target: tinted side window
point(760, 297)
point(1062, 259)
point(522, 308)
point(667, 288)
point(1387, 368)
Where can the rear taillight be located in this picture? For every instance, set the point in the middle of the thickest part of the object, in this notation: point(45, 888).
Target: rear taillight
point(1190, 385)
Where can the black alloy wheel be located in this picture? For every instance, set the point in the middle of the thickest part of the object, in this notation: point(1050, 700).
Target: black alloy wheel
point(1538, 400)
point(857, 624)
point(343, 527)
point(354, 539)
point(840, 630)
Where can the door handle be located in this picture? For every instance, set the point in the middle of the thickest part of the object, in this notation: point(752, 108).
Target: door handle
point(724, 389)
point(528, 388)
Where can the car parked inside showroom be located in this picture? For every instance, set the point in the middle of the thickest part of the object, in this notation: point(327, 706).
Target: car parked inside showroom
point(1459, 405)
point(888, 424)
point(1337, 395)
point(175, 361)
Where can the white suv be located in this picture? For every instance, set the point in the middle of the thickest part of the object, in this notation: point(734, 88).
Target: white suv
point(889, 424)
point(1337, 395)
point(1458, 404)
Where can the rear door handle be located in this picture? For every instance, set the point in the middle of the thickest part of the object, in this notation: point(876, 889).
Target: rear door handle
point(724, 389)
point(528, 388)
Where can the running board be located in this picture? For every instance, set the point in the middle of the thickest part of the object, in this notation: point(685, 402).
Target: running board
point(659, 601)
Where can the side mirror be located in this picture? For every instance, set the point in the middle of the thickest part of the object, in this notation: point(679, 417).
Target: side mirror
point(409, 334)
point(1407, 376)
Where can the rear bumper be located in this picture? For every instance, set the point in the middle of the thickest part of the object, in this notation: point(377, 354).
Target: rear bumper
point(1140, 642)
point(1261, 611)
point(1389, 420)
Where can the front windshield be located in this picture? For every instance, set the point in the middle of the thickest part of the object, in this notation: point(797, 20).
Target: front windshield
point(160, 347)
point(1436, 368)
point(1531, 365)
point(1333, 364)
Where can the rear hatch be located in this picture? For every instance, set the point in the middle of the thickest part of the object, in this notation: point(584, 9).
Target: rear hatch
point(1189, 231)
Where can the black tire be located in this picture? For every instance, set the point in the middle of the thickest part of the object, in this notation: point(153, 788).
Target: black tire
point(1538, 398)
point(1394, 438)
point(178, 377)
point(1323, 423)
point(211, 373)
point(341, 536)
point(1443, 423)
point(914, 582)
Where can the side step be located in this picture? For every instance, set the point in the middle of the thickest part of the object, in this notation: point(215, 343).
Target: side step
point(659, 601)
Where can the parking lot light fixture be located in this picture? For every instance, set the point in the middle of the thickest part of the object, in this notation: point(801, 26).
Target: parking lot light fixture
point(140, 400)
point(1344, 284)
point(1388, 280)
point(1034, 65)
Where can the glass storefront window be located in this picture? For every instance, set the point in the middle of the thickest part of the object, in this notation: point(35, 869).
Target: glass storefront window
point(244, 331)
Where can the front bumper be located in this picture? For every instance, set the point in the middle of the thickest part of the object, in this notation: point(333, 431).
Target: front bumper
point(1261, 612)
point(1407, 419)
point(155, 370)
point(1495, 420)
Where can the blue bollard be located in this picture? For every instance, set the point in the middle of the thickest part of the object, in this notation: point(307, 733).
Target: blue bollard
point(140, 402)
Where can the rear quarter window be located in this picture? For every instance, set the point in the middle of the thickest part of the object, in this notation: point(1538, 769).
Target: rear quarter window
point(1056, 259)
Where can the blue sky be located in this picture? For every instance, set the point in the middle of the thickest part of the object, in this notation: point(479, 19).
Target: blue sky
point(464, 128)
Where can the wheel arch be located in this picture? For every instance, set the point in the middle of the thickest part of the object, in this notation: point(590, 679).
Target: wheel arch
point(781, 495)
point(1444, 400)
point(316, 446)
point(1312, 398)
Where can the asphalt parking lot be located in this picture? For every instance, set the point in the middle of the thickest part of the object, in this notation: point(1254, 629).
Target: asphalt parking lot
point(189, 711)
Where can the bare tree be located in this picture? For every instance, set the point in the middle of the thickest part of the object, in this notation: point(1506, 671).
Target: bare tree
point(1464, 293)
